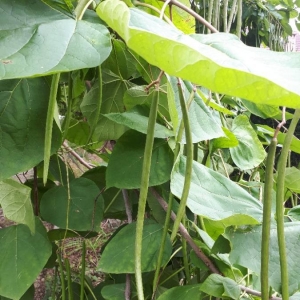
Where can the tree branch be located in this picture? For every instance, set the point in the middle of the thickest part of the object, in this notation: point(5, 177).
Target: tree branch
point(77, 156)
point(197, 250)
point(194, 14)
point(186, 235)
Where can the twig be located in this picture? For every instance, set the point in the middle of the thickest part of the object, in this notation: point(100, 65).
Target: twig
point(186, 235)
point(194, 14)
point(77, 156)
point(197, 250)
point(35, 192)
point(154, 82)
point(281, 124)
point(256, 293)
point(127, 205)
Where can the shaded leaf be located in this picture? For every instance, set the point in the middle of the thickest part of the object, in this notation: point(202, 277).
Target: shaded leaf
point(183, 293)
point(23, 110)
point(219, 286)
point(15, 201)
point(214, 196)
point(124, 169)
point(113, 291)
point(38, 40)
point(118, 255)
point(246, 251)
point(17, 249)
point(85, 210)
point(249, 153)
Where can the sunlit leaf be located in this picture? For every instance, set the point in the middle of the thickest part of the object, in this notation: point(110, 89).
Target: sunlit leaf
point(15, 201)
point(220, 62)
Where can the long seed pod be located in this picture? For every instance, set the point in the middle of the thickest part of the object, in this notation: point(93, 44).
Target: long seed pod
point(266, 224)
point(143, 195)
point(49, 124)
point(189, 163)
point(281, 166)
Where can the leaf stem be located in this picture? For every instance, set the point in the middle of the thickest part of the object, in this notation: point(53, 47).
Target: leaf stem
point(82, 275)
point(281, 167)
point(81, 8)
point(67, 119)
point(49, 124)
point(266, 224)
point(189, 162)
point(194, 14)
point(143, 195)
point(62, 279)
point(163, 242)
point(68, 272)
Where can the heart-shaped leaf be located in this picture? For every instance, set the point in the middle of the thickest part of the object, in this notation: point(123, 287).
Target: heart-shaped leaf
point(83, 211)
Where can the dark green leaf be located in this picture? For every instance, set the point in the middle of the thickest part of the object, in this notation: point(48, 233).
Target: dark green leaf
point(84, 211)
point(113, 291)
point(124, 169)
point(214, 196)
point(118, 255)
point(219, 286)
point(23, 107)
point(22, 257)
point(36, 39)
point(183, 293)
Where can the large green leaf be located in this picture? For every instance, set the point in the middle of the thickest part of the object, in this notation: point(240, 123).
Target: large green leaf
point(23, 110)
point(249, 152)
point(16, 202)
point(84, 210)
point(246, 244)
point(214, 196)
point(182, 293)
point(219, 62)
point(125, 165)
point(38, 40)
point(137, 119)
point(118, 255)
point(22, 257)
